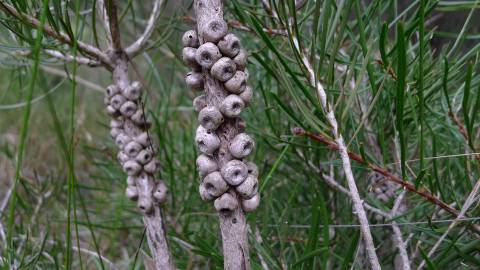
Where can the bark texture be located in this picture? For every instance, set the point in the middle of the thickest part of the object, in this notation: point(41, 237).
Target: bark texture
point(233, 223)
point(144, 181)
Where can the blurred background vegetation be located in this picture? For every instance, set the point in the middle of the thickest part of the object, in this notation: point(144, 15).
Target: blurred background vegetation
point(404, 99)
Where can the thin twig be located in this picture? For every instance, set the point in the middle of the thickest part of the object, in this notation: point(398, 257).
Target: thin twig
point(389, 176)
point(397, 233)
point(342, 149)
point(60, 36)
point(136, 47)
point(468, 202)
point(88, 84)
point(64, 57)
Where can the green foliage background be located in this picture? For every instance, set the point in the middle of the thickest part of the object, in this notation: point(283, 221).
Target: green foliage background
point(396, 84)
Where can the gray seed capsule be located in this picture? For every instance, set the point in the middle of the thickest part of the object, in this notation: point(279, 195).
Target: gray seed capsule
point(234, 172)
point(128, 108)
point(188, 57)
point(232, 106)
point(121, 140)
point(106, 100)
point(250, 205)
point(114, 132)
point(229, 45)
point(112, 111)
point(204, 195)
point(248, 188)
point(207, 55)
point(190, 39)
point(214, 184)
point(223, 69)
point(133, 91)
point(132, 193)
point(206, 165)
point(225, 203)
point(160, 192)
point(116, 123)
point(138, 117)
point(252, 168)
point(152, 167)
point(143, 139)
point(247, 95)
point(117, 101)
point(214, 30)
point(131, 167)
point(194, 80)
point(122, 157)
point(207, 141)
point(237, 83)
point(241, 146)
point(199, 103)
point(132, 148)
point(241, 59)
point(144, 156)
point(210, 118)
point(112, 90)
point(145, 205)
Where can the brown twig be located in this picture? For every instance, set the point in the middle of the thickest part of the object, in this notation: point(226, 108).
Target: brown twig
point(390, 176)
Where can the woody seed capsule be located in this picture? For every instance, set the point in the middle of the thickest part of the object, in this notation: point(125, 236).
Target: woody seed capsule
point(232, 106)
point(223, 69)
point(122, 157)
point(199, 103)
point(133, 91)
point(128, 108)
point(112, 111)
point(206, 165)
point(144, 156)
point(207, 55)
point(131, 167)
point(241, 59)
point(132, 193)
point(204, 195)
point(246, 95)
point(112, 90)
point(194, 80)
point(143, 139)
point(152, 167)
point(210, 118)
point(132, 149)
point(237, 83)
point(190, 39)
point(229, 45)
point(114, 132)
point(145, 205)
point(188, 57)
point(121, 140)
point(248, 188)
point(225, 203)
point(117, 101)
point(160, 192)
point(214, 184)
point(252, 168)
point(207, 141)
point(251, 204)
point(241, 146)
point(234, 172)
point(215, 30)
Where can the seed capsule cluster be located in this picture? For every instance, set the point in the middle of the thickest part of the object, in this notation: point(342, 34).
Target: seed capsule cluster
point(223, 59)
point(129, 129)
